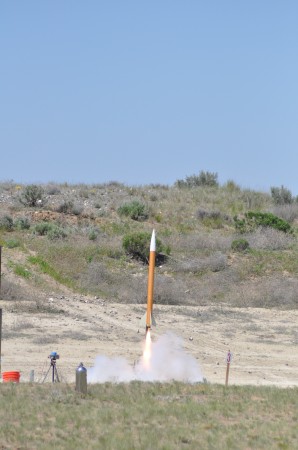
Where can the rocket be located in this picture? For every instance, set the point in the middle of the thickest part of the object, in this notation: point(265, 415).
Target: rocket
point(148, 318)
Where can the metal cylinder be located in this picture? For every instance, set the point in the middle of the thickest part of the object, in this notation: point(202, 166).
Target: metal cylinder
point(81, 379)
point(31, 376)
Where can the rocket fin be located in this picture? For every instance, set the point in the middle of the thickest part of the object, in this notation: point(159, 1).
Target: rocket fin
point(143, 321)
point(152, 320)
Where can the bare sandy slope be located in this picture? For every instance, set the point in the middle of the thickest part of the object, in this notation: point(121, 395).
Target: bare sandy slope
point(263, 342)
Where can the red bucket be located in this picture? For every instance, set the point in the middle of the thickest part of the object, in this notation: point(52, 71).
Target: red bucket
point(13, 377)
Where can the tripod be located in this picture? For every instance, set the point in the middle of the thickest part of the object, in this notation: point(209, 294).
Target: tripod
point(55, 376)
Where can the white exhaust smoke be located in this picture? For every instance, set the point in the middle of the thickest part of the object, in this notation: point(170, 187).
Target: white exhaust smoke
point(168, 362)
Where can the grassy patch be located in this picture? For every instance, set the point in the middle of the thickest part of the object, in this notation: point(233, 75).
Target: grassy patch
point(265, 262)
point(12, 243)
point(20, 270)
point(49, 270)
point(148, 415)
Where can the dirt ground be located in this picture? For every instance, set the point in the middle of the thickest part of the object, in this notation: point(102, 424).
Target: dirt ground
point(263, 342)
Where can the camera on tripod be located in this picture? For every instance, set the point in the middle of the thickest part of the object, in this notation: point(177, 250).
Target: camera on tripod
point(53, 356)
point(55, 377)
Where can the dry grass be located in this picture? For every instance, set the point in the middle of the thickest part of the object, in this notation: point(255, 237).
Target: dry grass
point(214, 263)
point(148, 415)
point(269, 239)
point(12, 291)
point(202, 241)
point(273, 292)
point(286, 212)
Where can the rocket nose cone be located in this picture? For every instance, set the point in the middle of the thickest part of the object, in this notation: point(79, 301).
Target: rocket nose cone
point(153, 243)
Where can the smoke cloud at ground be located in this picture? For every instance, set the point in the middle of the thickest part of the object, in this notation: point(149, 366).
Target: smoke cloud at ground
point(169, 361)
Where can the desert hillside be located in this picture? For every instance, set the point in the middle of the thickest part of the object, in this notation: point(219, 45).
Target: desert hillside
point(74, 275)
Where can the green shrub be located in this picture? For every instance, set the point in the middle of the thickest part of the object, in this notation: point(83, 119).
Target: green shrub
point(68, 207)
point(43, 228)
point(240, 245)
point(268, 220)
point(137, 245)
point(6, 223)
point(241, 225)
point(32, 196)
point(52, 230)
point(255, 219)
point(12, 243)
point(203, 179)
point(212, 219)
point(135, 210)
point(65, 207)
point(77, 210)
point(93, 234)
point(281, 196)
point(22, 223)
point(56, 232)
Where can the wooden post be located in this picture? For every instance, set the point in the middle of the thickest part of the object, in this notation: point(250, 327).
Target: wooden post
point(0, 342)
point(229, 359)
point(0, 318)
point(0, 268)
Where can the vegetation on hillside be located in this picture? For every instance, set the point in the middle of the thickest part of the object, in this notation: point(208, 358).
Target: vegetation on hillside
point(218, 243)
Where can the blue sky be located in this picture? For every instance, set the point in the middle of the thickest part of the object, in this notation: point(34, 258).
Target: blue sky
point(149, 92)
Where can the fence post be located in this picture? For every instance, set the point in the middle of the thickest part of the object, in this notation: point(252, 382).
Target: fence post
point(0, 342)
point(229, 359)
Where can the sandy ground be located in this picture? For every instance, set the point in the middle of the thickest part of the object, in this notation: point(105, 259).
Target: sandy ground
point(264, 343)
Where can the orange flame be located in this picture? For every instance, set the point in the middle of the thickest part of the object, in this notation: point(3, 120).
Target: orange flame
point(147, 350)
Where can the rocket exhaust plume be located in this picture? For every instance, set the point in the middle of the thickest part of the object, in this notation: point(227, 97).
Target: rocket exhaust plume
point(147, 353)
point(164, 360)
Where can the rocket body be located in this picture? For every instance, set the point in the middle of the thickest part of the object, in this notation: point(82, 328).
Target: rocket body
point(148, 319)
point(151, 281)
